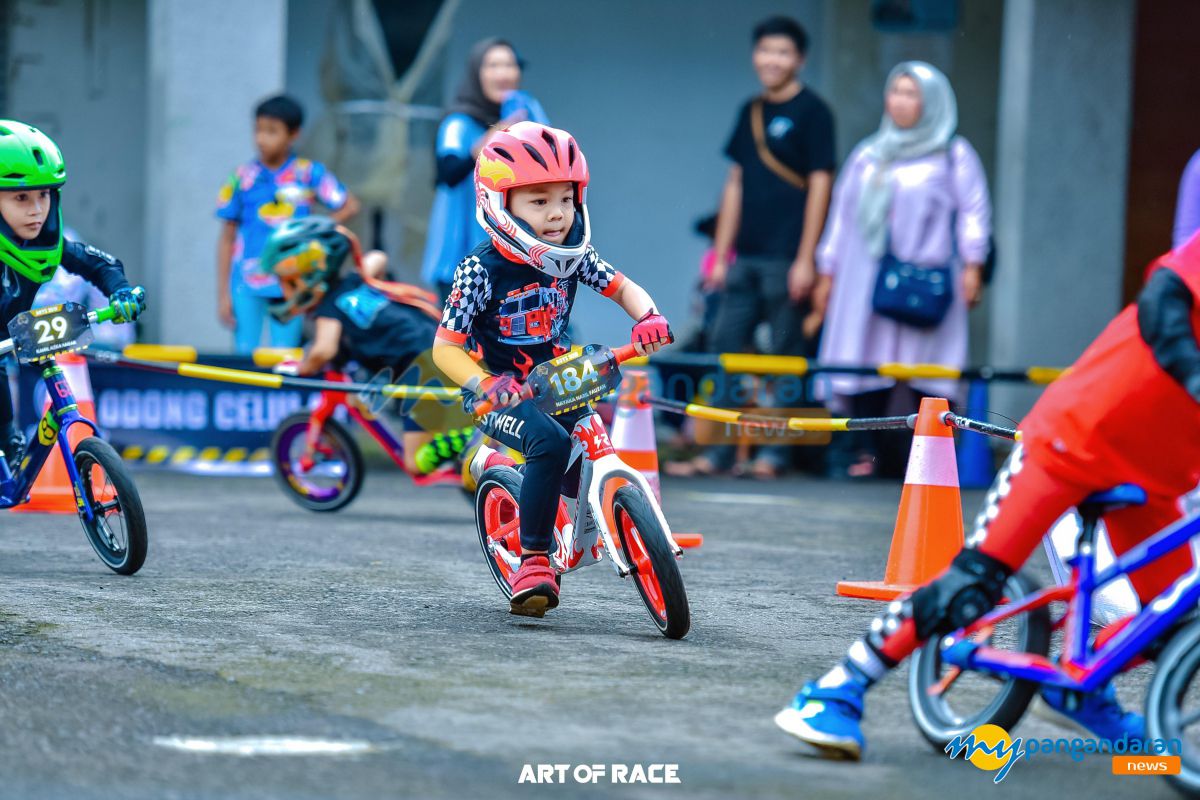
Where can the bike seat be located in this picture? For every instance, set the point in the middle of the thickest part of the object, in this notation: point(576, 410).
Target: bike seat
point(1120, 496)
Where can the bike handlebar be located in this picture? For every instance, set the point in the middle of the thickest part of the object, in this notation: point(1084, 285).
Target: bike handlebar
point(621, 354)
point(108, 313)
point(95, 317)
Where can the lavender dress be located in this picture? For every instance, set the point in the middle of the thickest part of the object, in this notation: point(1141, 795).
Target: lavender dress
point(929, 192)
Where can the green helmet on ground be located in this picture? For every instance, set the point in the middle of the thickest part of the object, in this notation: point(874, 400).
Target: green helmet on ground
point(29, 159)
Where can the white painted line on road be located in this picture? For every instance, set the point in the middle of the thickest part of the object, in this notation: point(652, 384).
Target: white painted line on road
point(746, 499)
point(264, 745)
point(814, 510)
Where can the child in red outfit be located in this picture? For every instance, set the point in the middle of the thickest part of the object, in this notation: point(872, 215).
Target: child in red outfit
point(1126, 412)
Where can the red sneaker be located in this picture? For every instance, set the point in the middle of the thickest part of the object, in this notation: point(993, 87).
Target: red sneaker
point(535, 590)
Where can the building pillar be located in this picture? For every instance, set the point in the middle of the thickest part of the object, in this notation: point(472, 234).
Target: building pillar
point(1062, 155)
point(209, 64)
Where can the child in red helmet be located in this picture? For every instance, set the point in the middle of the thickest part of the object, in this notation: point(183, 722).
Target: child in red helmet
point(1126, 412)
point(512, 298)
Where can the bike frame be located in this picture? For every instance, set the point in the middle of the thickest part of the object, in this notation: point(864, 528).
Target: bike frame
point(1083, 668)
point(62, 414)
point(330, 401)
point(601, 473)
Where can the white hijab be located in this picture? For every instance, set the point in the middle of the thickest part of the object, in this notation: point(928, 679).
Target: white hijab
point(933, 132)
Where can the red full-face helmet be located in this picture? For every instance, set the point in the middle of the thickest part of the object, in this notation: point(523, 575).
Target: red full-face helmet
point(528, 154)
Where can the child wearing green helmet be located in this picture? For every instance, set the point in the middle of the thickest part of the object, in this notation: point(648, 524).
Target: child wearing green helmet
point(32, 172)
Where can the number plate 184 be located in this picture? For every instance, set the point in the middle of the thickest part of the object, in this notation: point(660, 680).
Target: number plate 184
point(572, 380)
point(45, 332)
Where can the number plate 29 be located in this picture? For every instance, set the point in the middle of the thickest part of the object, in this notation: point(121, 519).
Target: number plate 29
point(575, 379)
point(45, 332)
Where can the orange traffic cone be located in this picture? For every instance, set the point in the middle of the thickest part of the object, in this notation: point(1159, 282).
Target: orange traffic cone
point(633, 438)
point(929, 527)
point(52, 492)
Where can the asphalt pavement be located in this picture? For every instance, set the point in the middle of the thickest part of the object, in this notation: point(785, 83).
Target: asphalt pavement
point(377, 632)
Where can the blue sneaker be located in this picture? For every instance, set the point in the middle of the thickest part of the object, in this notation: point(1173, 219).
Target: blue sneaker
point(1097, 711)
point(827, 718)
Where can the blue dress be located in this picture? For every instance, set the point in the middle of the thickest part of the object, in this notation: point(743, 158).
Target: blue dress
point(453, 231)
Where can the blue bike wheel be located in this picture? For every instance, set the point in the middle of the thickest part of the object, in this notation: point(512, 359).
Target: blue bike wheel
point(1173, 705)
point(972, 699)
point(117, 528)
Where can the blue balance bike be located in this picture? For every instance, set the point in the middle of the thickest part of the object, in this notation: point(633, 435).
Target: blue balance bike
point(988, 672)
point(105, 496)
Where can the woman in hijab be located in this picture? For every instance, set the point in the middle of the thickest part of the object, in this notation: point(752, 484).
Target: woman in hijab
point(915, 191)
point(488, 99)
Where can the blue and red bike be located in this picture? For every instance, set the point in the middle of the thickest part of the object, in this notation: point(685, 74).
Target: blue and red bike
point(105, 495)
point(989, 671)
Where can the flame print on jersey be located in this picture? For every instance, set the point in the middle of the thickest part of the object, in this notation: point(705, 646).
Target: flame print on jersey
point(524, 364)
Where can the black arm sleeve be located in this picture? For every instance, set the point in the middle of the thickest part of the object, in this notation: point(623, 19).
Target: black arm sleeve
point(453, 169)
point(1165, 322)
point(95, 266)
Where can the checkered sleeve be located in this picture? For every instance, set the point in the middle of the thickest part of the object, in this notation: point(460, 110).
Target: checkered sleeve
point(469, 294)
point(598, 274)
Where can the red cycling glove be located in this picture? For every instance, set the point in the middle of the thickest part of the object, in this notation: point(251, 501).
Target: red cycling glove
point(652, 328)
point(501, 391)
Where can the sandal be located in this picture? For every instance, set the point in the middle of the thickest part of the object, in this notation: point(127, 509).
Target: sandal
point(763, 470)
point(698, 467)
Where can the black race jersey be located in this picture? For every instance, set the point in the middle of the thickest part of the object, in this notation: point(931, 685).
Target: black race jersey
point(376, 331)
point(515, 314)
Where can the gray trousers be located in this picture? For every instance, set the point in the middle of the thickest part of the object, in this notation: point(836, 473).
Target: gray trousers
point(756, 291)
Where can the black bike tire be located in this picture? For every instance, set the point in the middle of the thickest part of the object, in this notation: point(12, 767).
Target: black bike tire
point(1175, 669)
point(666, 569)
point(137, 546)
point(354, 463)
point(508, 480)
point(1012, 700)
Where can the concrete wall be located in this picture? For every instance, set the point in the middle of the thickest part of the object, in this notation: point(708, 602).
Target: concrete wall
point(1062, 154)
point(650, 89)
point(78, 71)
point(209, 63)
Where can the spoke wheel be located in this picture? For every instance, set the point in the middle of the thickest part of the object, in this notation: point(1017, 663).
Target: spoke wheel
point(117, 530)
point(327, 479)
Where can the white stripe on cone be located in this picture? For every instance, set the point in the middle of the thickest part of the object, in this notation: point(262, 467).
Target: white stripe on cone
point(931, 462)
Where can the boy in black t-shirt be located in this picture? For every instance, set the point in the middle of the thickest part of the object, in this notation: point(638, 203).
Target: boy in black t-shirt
point(772, 214)
point(380, 325)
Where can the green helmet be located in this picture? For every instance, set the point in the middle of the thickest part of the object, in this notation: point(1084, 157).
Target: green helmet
point(306, 255)
point(29, 159)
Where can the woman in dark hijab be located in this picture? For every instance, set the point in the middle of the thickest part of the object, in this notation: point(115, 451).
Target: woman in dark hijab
point(488, 98)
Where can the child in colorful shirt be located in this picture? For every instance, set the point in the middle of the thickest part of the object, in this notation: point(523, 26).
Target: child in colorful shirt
point(259, 196)
point(511, 301)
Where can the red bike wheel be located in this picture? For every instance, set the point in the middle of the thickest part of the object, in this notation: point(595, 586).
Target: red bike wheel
point(655, 571)
point(498, 522)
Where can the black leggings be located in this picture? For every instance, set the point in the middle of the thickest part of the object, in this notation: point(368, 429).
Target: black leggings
point(545, 441)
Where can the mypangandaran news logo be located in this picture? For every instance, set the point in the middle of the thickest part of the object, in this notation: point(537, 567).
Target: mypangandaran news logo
point(991, 748)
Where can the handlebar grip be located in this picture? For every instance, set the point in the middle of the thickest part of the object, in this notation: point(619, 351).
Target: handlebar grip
point(482, 408)
point(486, 406)
point(624, 353)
